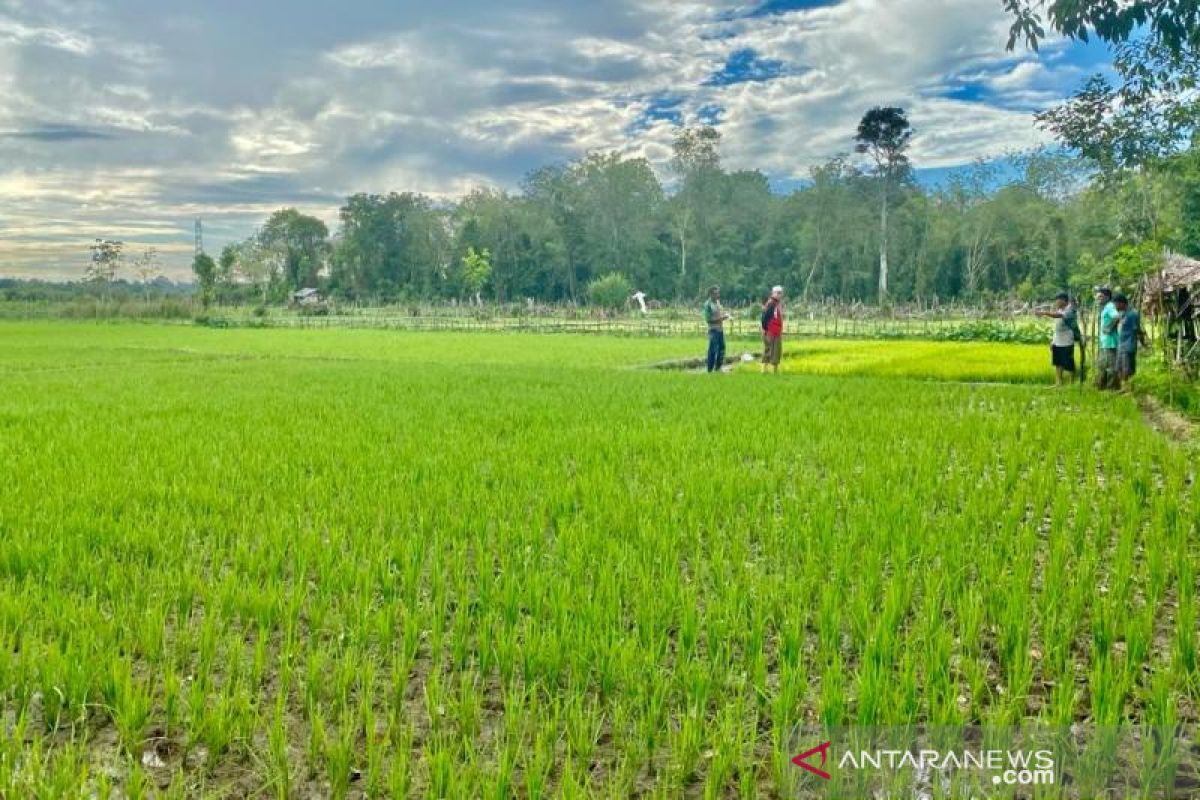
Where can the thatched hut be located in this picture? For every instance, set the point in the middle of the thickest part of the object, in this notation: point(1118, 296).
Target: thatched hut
point(1171, 297)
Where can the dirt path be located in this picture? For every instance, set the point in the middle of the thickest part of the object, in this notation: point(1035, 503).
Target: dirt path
point(1168, 422)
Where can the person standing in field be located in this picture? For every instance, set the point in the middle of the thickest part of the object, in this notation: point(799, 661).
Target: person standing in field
point(715, 316)
point(1106, 361)
point(1066, 334)
point(772, 325)
point(1130, 335)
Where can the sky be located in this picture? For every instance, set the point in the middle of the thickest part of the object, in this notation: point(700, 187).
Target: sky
point(129, 119)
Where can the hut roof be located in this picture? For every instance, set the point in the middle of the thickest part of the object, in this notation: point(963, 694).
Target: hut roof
point(1178, 272)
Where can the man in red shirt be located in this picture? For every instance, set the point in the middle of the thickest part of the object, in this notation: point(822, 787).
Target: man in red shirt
point(772, 325)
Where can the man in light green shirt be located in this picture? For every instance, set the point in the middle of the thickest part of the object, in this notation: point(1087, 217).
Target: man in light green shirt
point(1110, 320)
point(715, 316)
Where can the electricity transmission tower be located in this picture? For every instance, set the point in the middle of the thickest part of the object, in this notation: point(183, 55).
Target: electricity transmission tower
point(199, 236)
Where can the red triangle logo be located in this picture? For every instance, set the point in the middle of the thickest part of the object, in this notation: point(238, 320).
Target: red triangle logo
point(802, 760)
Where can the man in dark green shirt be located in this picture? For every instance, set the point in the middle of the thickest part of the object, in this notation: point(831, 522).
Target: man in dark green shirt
point(715, 316)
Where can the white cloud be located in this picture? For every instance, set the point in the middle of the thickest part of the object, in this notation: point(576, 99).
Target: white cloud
point(227, 115)
point(14, 32)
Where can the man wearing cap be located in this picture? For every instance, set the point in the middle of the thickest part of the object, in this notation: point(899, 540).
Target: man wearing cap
point(1066, 334)
point(1129, 336)
point(772, 325)
point(1106, 362)
point(715, 317)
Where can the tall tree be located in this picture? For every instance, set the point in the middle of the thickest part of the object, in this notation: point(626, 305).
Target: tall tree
point(205, 270)
point(146, 266)
point(256, 265)
point(884, 134)
point(107, 257)
point(303, 242)
point(390, 244)
point(620, 200)
point(227, 264)
point(555, 193)
point(696, 164)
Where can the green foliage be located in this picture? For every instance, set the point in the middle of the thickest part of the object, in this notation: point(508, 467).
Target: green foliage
point(107, 257)
point(390, 243)
point(1037, 224)
point(301, 243)
point(1172, 24)
point(1175, 389)
point(1153, 110)
point(611, 291)
point(992, 331)
point(884, 134)
point(205, 270)
point(477, 268)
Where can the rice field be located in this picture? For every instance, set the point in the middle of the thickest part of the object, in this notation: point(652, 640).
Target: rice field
point(920, 360)
point(274, 563)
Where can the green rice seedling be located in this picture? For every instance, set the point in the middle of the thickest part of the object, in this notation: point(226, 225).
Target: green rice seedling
point(1185, 642)
point(339, 754)
point(442, 775)
point(584, 726)
point(130, 705)
point(538, 764)
point(102, 788)
point(66, 773)
point(314, 681)
point(437, 706)
point(686, 747)
point(217, 726)
point(748, 779)
point(258, 667)
point(833, 705)
point(501, 781)
point(468, 706)
point(316, 745)
point(1109, 681)
point(279, 759)
point(399, 779)
point(137, 784)
point(652, 719)
point(172, 699)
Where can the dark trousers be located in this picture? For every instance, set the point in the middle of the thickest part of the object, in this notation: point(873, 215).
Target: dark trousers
point(716, 349)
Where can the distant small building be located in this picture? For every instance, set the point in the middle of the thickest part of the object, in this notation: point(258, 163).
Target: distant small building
point(307, 297)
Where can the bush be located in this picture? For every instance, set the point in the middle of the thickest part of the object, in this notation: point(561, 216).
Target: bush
point(991, 331)
point(1175, 389)
point(209, 321)
point(611, 291)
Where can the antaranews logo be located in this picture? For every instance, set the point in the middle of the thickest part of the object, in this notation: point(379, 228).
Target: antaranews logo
point(975, 761)
point(801, 760)
point(925, 765)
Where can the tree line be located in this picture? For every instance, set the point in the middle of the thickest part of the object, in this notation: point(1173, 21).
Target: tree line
point(1029, 225)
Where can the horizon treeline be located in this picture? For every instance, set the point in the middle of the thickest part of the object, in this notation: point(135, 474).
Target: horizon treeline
point(1028, 226)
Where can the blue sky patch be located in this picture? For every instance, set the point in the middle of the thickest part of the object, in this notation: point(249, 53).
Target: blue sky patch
point(746, 66)
point(710, 114)
point(770, 8)
point(661, 108)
